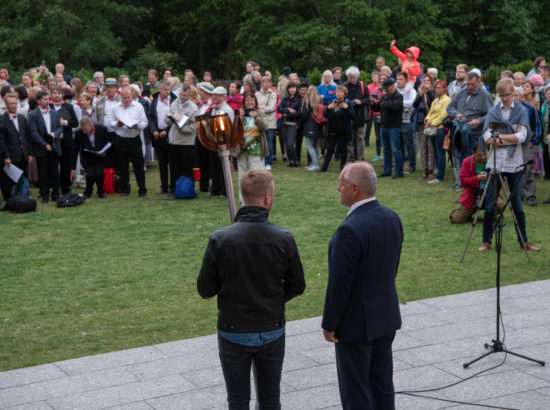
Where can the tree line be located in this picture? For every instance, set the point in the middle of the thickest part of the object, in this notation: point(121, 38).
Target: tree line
point(219, 36)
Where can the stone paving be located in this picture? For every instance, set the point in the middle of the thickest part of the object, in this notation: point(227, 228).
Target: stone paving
point(438, 335)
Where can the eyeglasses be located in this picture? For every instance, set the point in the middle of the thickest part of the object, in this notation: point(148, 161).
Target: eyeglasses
point(502, 96)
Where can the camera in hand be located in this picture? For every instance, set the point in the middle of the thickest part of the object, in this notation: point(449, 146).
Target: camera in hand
point(247, 111)
point(496, 125)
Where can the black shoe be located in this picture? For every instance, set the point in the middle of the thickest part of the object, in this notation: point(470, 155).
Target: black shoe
point(86, 196)
point(547, 202)
point(142, 194)
point(222, 196)
point(532, 201)
point(45, 200)
point(397, 176)
point(103, 195)
point(384, 174)
point(162, 191)
point(124, 194)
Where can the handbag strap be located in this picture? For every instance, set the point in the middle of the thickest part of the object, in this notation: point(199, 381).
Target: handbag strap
point(426, 103)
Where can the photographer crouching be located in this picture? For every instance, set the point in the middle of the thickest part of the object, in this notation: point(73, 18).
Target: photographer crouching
point(514, 121)
point(473, 178)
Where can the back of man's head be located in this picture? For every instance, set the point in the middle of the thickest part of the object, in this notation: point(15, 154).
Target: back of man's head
point(364, 175)
point(255, 184)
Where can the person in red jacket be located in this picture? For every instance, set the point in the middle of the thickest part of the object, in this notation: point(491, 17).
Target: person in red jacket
point(410, 64)
point(473, 178)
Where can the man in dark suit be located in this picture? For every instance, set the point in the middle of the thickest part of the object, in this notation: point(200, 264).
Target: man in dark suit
point(46, 131)
point(160, 108)
point(91, 138)
point(361, 311)
point(68, 120)
point(15, 144)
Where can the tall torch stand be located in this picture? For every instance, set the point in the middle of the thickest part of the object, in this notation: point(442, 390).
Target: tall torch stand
point(217, 133)
point(225, 155)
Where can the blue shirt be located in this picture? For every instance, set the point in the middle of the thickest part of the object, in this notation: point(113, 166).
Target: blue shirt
point(253, 339)
point(328, 94)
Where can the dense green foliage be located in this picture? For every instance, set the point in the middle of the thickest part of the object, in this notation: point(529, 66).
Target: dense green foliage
point(221, 35)
point(121, 272)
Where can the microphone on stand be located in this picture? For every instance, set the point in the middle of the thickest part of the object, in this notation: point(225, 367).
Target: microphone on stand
point(530, 162)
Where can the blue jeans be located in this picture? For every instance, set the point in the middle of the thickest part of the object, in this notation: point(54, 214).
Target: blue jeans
point(391, 142)
point(236, 361)
point(312, 150)
point(440, 155)
point(515, 185)
point(270, 137)
point(408, 140)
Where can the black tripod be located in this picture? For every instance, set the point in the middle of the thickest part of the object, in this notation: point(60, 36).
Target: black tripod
point(497, 345)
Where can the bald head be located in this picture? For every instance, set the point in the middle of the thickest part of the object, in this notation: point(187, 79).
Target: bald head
point(357, 182)
point(258, 188)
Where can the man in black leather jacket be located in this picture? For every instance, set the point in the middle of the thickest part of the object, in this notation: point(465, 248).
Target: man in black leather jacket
point(254, 268)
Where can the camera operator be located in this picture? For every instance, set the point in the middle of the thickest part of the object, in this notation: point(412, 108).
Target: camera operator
point(513, 123)
point(473, 178)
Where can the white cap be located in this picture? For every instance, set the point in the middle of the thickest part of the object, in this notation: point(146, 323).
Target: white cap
point(432, 70)
point(477, 71)
point(219, 91)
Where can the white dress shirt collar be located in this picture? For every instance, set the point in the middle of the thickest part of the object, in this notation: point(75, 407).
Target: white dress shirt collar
point(359, 203)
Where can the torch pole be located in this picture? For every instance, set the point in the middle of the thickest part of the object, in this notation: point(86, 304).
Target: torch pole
point(225, 154)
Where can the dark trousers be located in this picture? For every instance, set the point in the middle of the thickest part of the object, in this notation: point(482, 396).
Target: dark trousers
point(407, 136)
point(110, 155)
point(182, 158)
point(288, 134)
point(48, 175)
point(368, 128)
point(65, 165)
point(129, 149)
point(162, 149)
point(6, 183)
point(365, 372)
point(203, 156)
point(216, 173)
point(515, 186)
point(236, 361)
point(546, 160)
point(333, 141)
point(94, 174)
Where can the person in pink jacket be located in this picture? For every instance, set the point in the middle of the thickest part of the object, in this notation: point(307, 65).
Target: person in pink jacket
point(411, 66)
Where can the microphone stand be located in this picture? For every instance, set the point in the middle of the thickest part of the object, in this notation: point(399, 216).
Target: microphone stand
point(497, 345)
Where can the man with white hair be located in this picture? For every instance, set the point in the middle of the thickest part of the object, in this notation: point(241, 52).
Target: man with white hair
point(358, 93)
point(219, 106)
point(361, 313)
point(99, 78)
point(128, 119)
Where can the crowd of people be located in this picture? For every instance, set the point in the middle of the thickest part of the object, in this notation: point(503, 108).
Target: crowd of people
point(412, 112)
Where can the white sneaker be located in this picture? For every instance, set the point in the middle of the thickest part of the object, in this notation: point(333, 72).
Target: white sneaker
point(434, 181)
point(313, 168)
point(268, 167)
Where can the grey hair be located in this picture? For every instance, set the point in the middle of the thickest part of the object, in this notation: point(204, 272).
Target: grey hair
point(352, 70)
point(165, 81)
point(97, 73)
point(519, 90)
point(331, 76)
point(364, 175)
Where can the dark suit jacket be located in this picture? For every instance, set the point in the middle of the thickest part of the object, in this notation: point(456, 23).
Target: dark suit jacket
point(82, 141)
point(14, 144)
point(67, 113)
point(361, 302)
point(39, 132)
point(153, 120)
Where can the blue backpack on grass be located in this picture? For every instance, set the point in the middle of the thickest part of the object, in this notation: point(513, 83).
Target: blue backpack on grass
point(185, 188)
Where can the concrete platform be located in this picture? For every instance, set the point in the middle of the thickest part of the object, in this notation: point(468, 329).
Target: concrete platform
point(438, 335)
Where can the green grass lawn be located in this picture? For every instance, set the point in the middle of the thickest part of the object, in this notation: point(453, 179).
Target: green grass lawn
point(120, 273)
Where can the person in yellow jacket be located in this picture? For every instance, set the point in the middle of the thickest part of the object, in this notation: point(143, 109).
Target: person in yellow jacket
point(438, 112)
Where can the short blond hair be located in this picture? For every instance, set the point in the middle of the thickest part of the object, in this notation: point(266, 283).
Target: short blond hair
point(505, 84)
point(255, 183)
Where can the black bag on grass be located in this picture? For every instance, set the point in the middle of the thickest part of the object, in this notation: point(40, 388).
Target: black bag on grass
point(69, 200)
point(21, 204)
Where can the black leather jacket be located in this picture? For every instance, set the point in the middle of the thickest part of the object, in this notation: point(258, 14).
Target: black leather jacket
point(254, 268)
